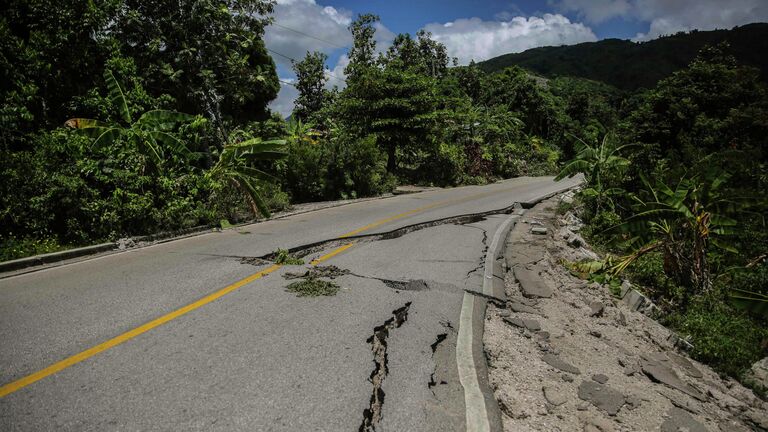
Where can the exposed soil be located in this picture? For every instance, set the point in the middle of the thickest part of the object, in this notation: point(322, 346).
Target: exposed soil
point(565, 355)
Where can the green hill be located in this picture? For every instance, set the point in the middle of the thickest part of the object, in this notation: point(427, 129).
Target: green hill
point(631, 65)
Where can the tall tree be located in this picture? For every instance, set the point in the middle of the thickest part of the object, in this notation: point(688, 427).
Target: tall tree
point(50, 51)
point(433, 55)
point(208, 54)
point(361, 55)
point(310, 82)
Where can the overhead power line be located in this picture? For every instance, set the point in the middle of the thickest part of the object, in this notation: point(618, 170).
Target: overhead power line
point(293, 59)
point(307, 35)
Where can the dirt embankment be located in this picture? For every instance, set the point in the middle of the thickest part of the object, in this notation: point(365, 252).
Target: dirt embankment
point(565, 355)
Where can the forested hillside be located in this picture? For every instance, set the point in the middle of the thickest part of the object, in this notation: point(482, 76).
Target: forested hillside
point(628, 65)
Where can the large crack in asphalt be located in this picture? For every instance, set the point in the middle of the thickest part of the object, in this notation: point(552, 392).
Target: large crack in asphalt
point(481, 264)
point(315, 247)
point(438, 376)
point(378, 341)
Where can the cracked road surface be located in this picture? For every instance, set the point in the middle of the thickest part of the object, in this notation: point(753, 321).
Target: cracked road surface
point(199, 334)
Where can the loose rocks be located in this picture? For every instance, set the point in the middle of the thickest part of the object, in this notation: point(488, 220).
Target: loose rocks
point(531, 283)
point(596, 309)
point(601, 396)
point(661, 373)
point(557, 363)
point(554, 396)
point(680, 421)
point(529, 324)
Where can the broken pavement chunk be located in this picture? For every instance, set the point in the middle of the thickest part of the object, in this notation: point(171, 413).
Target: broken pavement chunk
point(521, 308)
point(679, 420)
point(596, 309)
point(554, 396)
point(531, 283)
point(600, 378)
point(601, 396)
point(686, 364)
point(659, 372)
point(529, 324)
point(557, 363)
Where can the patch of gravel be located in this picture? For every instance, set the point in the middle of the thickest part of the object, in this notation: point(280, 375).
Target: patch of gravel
point(580, 360)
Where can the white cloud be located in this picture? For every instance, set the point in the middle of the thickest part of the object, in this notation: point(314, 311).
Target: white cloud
point(473, 38)
point(336, 77)
point(594, 11)
point(283, 104)
point(669, 16)
point(303, 26)
point(326, 27)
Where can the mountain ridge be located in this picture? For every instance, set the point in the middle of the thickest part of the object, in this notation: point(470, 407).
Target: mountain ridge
point(630, 65)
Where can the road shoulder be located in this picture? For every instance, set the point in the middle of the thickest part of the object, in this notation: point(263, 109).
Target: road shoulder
point(567, 355)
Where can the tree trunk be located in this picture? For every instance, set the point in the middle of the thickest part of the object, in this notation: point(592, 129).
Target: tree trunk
point(391, 158)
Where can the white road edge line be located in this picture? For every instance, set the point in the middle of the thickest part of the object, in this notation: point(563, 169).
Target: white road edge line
point(474, 401)
point(476, 413)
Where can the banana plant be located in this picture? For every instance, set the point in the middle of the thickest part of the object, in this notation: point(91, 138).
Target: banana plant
point(152, 133)
point(685, 222)
point(236, 168)
point(597, 163)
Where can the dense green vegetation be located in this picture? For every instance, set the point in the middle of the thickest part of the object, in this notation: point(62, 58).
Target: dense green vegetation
point(676, 196)
point(124, 118)
point(628, 65)
point(152, 94)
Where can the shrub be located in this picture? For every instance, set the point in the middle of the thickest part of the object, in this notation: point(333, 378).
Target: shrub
point(727, 340)
point(648, 271)
point(598, 225)
point(333, 166)
point(445, 167)
point(13, 248)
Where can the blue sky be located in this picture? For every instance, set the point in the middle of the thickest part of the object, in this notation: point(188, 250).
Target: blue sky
point(482, 29)
point(409, 16)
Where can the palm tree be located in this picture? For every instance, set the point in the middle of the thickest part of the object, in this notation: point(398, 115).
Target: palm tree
point(152, 133)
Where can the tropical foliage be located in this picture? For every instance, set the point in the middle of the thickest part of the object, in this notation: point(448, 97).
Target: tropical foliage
point(677, 198)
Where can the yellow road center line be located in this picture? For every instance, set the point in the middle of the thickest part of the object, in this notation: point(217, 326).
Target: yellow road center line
point(332, 253)
point(77, 358)
point(419, 210)
point(117, 340)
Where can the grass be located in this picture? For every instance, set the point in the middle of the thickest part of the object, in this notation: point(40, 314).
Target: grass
point(312, 287)
point(284, 257)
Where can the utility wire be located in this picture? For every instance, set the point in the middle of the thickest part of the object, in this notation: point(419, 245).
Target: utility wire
point(293, 59)
point(307, 35)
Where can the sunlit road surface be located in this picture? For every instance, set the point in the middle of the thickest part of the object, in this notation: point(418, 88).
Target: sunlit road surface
point(194, 334)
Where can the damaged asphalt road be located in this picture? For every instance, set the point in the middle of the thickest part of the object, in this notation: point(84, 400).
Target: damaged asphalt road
point(378, 355)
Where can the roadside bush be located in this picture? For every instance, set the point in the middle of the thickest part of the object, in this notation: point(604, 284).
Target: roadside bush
point(648, 272)
point(13, 248)
point(598, 226)
point(446, 166)
point(304, 170)
point(67, 193)
point(726, 339)
point(358, 168)
point(333, 166)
